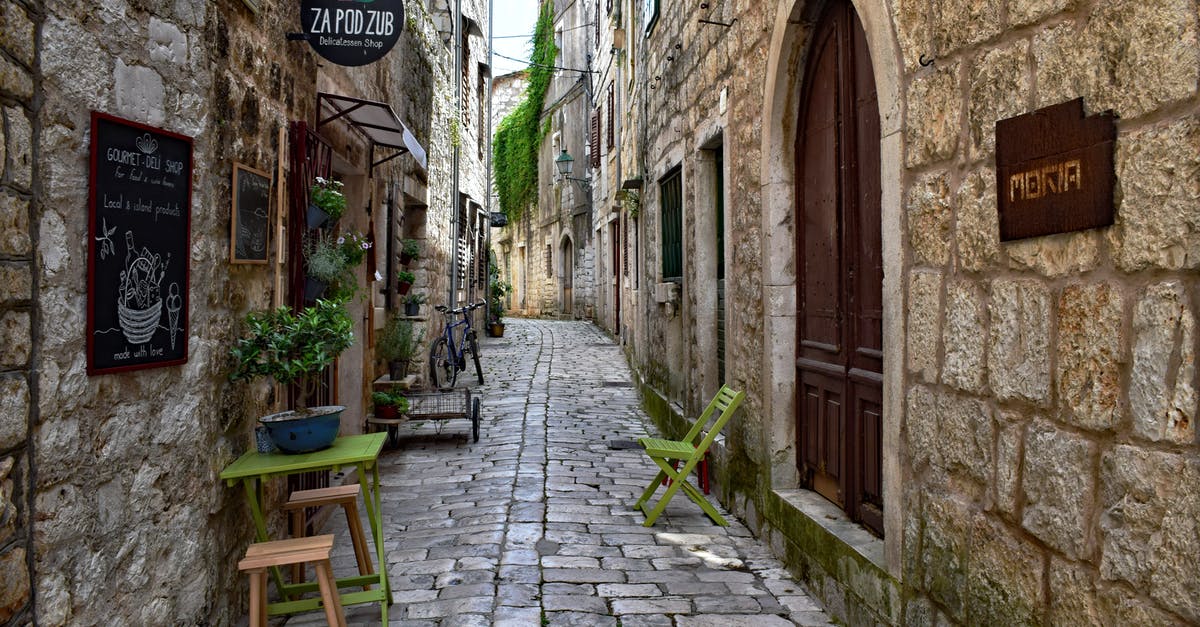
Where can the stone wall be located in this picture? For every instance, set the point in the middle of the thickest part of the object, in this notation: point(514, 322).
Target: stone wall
point(20, 102)
point(108, 484)
point(1039, 395)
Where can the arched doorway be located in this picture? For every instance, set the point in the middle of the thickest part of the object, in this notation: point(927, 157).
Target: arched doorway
point(839, 288)
point(566, 296)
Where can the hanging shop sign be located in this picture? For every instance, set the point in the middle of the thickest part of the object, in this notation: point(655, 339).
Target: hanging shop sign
point(250, 218)
point(1054, 171)
point(140, 198)
point(352, 32)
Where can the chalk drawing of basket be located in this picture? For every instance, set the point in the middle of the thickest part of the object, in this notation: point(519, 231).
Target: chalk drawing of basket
point(139, 325)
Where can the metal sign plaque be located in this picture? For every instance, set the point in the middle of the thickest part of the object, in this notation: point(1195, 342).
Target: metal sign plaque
point(1054, 171)
point(352, 32)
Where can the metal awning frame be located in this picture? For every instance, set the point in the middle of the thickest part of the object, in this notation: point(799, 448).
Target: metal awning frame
point(355, 110)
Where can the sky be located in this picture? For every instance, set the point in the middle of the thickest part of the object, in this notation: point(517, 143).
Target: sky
point(512, 17)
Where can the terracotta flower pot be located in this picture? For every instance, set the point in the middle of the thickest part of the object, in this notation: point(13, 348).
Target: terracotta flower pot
point(403, 287)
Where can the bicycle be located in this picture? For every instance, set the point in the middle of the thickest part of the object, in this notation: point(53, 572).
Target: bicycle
point(448, 357)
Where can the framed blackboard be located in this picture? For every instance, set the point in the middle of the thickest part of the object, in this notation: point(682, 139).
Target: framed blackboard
point(250, 227)
point(139, 240)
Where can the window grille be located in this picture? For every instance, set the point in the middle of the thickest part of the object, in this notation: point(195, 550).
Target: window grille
point(671, 194)
point(549, 261)
point(612, 140)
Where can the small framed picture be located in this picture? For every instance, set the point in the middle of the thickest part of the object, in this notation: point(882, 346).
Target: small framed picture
point(250, 226)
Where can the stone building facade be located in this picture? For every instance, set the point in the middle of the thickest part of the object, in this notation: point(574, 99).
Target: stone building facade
point(547, 254)
point(110, 506)
point(1026, 450)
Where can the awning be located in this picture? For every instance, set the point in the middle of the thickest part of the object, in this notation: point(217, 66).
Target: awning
point(374, 120)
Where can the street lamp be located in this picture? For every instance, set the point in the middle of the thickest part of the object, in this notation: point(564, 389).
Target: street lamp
point(565, 163)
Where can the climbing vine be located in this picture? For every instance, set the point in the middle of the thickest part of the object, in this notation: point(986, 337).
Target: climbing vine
point(515, 147)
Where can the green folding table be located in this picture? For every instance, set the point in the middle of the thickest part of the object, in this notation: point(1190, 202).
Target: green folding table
point(359, 451)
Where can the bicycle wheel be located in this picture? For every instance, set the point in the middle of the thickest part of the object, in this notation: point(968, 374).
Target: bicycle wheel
point(473, 346)
point(442, 372)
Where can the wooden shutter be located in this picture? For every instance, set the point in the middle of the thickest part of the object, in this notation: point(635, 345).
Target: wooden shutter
point(671, 191)
point(595, 147)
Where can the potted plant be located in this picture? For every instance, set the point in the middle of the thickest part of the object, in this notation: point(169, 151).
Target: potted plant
point(497, 291)
point(325, 264)
point(398, 344)
point(389, 405)
point(404, 281)
point(327, 203)
point(295, 348)
point(410, 251)
point(412, 304)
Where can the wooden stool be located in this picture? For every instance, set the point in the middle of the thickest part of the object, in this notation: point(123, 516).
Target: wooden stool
point(263, 555)
point(347, 497)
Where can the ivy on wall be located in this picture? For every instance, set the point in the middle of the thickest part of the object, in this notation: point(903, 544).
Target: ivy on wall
point(518, 137)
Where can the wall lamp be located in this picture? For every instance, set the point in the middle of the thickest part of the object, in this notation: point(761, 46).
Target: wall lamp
point(565, 164)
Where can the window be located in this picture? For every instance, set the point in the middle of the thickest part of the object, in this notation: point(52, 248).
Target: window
point(549, 260)
point(671, 198)
point(612, 140)
point(595, 139)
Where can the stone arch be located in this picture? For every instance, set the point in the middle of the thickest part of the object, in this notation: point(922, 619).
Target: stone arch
point(794, 20)
point(565, 268)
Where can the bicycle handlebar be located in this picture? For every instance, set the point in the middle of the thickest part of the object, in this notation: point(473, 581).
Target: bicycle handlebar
point(461, 310)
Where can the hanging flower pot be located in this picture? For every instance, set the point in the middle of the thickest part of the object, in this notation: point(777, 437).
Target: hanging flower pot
point(404, 282)
point(313, 289)
point(316, 217)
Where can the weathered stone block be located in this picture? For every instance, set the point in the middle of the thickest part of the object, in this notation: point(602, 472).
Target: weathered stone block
point(934, 117)
point(924, 297)
point(948, 525)
point(20, 147)
point(921, 427)
point(16, 282)
point(16, 80)
point(16, 32)
point(1008, 465)
point(960, 23)
point(1019, 341)
point(1057, 486)
point(1004, 580)
point(1151, 524)
point(85, 79)
point(929, 218)
point(1055, 256)
point(14, 583)
point(1158, 216)
point(1090, 337)
point(9, 516)
point(999, 89)
point(1136, 84)
point(166, 43)
point(1064, 62)
point(977, 227)
point(965, 437)
point(1072, 595)
point(14, 412)
point(1023, 12)
point(912, 29)
point(1163, 329)
point(963, 337)
point(15, 336)
point(139, 93)
point(14, 225)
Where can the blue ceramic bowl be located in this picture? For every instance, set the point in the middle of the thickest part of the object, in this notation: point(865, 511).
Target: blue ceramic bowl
point(304, 434)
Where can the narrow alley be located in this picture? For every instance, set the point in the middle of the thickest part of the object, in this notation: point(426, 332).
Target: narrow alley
point(534, 524)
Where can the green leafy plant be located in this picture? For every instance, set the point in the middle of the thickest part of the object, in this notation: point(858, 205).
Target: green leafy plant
point(398, 341)
point(292, 347)
point(386, 399)
point(498, 292)
point(416, 298)
point(410, 249)
point(353, 247)
point(519, 135)
point(327, 194)
point(404, 276)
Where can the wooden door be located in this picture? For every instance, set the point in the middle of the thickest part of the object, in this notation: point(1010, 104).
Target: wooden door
point(568, 277)
point(840, 283)
point(614, 230)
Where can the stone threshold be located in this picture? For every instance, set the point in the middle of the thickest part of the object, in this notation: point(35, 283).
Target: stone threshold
point(819, 511)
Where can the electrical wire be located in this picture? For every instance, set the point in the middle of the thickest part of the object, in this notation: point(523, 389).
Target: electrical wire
point(552, 67)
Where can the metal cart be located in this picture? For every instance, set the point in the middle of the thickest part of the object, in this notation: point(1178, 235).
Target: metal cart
point(432, 405)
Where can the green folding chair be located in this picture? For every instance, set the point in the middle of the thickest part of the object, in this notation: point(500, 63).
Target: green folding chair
point(691, 449)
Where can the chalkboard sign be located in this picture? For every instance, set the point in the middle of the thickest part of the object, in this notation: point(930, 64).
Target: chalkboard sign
point(138, 246)
point(251, 215)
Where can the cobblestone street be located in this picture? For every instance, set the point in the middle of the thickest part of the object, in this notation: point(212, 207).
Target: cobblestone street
point(534, 524)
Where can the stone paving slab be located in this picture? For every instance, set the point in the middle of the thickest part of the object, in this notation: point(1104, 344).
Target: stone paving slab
point(533, 525)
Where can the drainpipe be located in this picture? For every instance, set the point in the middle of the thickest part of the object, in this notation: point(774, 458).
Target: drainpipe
point(454, 192)
point(487, 251)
